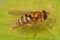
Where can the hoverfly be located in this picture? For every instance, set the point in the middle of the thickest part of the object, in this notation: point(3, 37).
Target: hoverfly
point(28, 17)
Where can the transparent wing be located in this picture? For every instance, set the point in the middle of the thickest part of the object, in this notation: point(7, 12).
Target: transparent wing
point(18, 12)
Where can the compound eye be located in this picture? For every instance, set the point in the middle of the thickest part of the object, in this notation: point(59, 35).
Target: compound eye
point(44, 11)
point(44, 14)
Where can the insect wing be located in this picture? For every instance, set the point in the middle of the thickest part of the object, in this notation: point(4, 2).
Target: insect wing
point(18, 13)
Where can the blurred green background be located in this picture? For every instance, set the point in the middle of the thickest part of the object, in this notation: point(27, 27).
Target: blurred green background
point(53, 6)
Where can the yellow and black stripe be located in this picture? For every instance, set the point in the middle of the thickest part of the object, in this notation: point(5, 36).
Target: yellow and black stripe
point(24, 19)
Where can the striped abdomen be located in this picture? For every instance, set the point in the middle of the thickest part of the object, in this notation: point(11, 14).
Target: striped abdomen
point(24, 19)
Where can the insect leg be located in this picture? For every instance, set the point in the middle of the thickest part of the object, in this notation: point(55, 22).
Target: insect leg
point(35, 31)
point(50, 31)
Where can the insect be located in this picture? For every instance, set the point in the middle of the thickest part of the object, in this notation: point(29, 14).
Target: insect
point(28, 17)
